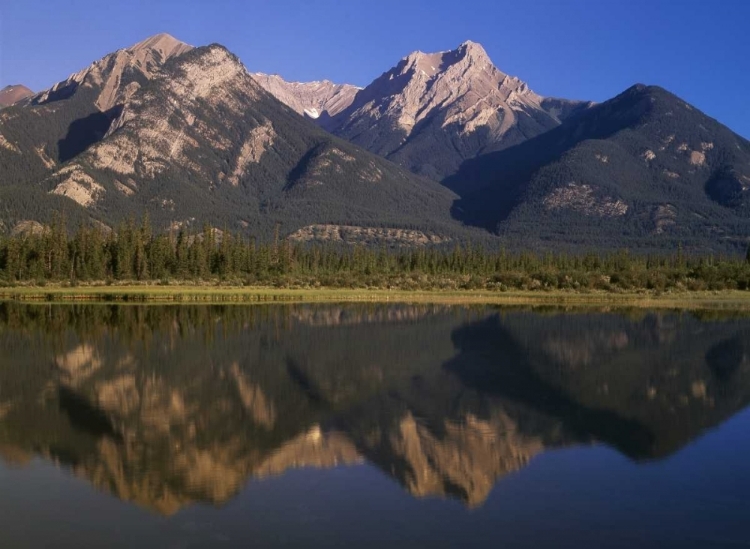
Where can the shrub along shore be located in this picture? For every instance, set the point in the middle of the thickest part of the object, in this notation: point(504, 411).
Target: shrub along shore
point(727, 300)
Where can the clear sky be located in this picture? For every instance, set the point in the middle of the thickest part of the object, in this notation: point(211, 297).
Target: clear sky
point(582, 49)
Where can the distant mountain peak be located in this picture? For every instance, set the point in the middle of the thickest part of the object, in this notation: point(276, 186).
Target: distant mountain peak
point(13, 94)
point(318, 100)
point(12, 87)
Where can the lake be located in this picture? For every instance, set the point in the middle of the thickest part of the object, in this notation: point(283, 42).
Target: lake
point(372, 426)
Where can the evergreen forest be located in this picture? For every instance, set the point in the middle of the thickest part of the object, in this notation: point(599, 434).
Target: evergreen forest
point(137, 253)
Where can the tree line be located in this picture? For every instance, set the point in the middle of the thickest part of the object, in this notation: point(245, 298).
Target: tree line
point(134, 252)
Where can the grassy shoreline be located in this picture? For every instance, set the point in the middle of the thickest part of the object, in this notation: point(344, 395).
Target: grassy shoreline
point(726, 299)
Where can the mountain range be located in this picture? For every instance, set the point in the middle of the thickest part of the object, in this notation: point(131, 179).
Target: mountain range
point(442, 147)
point(188, 136)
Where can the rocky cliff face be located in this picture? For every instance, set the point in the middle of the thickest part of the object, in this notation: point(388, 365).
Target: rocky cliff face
point(317, 100)
point(158, 127)
point(434, 110)
point(13, 94)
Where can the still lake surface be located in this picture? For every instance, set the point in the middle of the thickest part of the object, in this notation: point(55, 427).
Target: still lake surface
point(372, 426)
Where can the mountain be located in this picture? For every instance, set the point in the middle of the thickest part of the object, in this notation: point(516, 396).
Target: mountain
point(316, 100)
point(432, 111)
point(644, 170)
point(188, 135)
point(42, 132)
point(14, 94)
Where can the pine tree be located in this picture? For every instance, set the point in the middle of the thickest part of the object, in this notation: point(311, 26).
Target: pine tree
point(13, 260)
point(182, 259)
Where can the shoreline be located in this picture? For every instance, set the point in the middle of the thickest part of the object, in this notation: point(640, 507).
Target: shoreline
point(724, 299)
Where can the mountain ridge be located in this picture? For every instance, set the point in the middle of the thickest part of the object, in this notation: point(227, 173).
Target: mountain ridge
point(432, 111)
point(145, 56)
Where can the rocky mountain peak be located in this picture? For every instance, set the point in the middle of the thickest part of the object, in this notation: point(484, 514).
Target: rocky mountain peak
point(166, 44)
point(198, 138)
point(211, 74)
point(473, 51)
point(468, 54)
point(431, 111)
point(455, 102)
point(117, 75)
point(13, 94)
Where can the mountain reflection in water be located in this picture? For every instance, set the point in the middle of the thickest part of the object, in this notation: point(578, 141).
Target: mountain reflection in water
point(166, 406)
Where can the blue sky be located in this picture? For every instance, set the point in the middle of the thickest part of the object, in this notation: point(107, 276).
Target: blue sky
point(583, 49)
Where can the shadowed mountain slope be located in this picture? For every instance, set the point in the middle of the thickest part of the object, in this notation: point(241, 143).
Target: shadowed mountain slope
point(643, 170)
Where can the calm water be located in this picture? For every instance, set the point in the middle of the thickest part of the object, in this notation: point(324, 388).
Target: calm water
point(372, 426)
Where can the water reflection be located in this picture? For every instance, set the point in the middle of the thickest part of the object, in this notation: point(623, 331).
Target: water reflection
point(168, 406)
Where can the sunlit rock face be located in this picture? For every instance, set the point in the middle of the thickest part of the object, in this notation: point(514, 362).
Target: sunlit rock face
point(167, 407)
point(349, 234)
point(150, 134)
point(434, 110)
